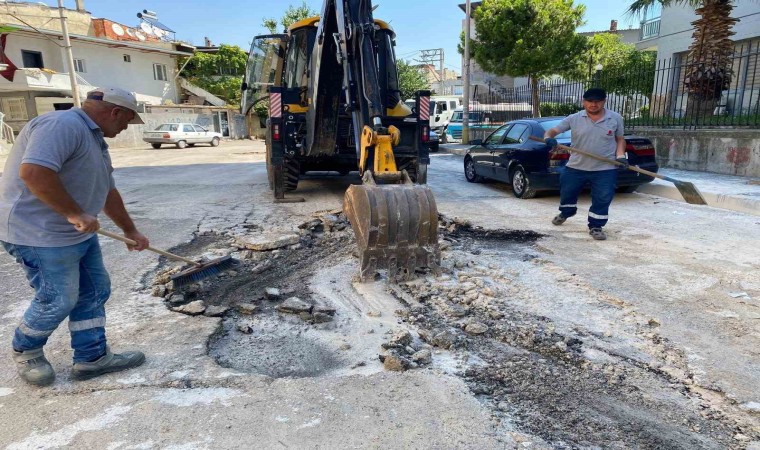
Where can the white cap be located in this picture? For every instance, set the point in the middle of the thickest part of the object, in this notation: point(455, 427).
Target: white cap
point(118, 97)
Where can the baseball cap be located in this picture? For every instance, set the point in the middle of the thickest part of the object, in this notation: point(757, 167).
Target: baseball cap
point(595, 94)
point(118, 97)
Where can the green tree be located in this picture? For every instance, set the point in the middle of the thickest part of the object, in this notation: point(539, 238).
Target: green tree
point(533, 38)
point(292, 14)
point(708, 70)
point(219, 73)
point(410, 80)
point(626, 71)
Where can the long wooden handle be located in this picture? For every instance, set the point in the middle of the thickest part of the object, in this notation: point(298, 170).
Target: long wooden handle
point(600, 158)
point(121, 238)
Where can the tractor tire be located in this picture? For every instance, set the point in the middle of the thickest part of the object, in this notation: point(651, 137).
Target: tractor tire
point(292, 170)
point(411, 166)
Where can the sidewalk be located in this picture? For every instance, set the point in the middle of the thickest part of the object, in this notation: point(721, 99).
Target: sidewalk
point(734, 193)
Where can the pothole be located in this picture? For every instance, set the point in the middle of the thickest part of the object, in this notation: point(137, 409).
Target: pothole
point(275, 347)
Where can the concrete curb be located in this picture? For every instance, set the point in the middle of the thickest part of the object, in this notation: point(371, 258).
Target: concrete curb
point(722, 201)
point(740, 204)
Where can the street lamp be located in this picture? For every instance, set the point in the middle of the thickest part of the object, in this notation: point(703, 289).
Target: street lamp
point(597, 74)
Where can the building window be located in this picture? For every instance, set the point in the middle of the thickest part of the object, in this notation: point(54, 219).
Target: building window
point(159, 72)
point(127, 58)
point(79, 66)
point(32, 59)
point(14, 108)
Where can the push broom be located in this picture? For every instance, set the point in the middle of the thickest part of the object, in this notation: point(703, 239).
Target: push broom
point(196, 273)
point(688, 191)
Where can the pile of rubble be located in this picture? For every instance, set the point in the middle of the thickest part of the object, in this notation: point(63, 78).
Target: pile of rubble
point(255, 251)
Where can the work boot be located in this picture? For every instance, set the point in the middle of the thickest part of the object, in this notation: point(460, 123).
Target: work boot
point(110, 362)
point(559, 219)
point(33, 367)
point(597, 233)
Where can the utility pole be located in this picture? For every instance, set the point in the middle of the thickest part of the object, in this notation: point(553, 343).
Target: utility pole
point(428, 57)
point(466, 70)
point(69, 56)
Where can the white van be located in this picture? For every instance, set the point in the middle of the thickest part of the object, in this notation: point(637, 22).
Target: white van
point(441, 109)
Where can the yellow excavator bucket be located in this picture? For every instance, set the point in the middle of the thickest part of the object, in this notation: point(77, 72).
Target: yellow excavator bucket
point(396, 226)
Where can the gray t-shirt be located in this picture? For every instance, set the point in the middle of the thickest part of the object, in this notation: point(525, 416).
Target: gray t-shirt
point(71, 144)
point(594, 137)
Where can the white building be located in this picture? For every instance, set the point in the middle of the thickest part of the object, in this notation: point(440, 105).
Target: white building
point(105, 54)
point(669, 31)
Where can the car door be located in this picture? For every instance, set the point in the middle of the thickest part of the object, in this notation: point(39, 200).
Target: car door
point(484, 157)
point(202, 134)
point(189, 132)
point(508, 150)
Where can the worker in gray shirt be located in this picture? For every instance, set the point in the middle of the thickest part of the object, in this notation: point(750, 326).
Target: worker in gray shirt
point(598, 130)
point(57, 178)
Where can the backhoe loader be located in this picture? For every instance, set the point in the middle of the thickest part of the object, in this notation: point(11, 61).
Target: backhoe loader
point(334, 105)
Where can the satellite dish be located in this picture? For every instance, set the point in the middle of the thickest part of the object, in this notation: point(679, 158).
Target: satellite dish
point(147, 29)
point(158, 31)
point(117, 29)
point(130, 33)
point(139, 36)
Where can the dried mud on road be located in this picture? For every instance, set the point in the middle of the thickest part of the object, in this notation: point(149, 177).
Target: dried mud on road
point(572, 388)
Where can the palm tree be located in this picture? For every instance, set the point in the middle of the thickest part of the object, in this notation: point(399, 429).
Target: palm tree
point(708, 64)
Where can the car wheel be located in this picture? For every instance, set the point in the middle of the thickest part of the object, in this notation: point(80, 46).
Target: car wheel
point(521, 184)
point(434, 148)
point(469, 171)
point(626, 189)
point(181, 144)
point(215, 142)
point(156, 146)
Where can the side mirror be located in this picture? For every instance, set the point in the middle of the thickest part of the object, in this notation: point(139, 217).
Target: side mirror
point(437, 118)
point(244, 86)
point(476, 142)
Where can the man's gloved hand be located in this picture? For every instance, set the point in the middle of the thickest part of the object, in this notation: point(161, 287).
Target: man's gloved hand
point(624, 161)
point(551, 142)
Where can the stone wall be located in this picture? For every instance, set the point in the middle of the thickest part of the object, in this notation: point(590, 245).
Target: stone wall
point(733, 152)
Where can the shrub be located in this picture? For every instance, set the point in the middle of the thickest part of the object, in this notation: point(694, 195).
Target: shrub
point(558, 109)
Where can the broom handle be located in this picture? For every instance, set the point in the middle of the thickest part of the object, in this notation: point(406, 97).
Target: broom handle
point(156, 250)
point(599, 158)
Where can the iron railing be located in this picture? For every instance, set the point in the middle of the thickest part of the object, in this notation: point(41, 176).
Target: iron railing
point(671, 93)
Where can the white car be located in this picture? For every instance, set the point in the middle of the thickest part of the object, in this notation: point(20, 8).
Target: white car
point(182, 135)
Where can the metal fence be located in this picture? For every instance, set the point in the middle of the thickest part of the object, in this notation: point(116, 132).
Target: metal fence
point(673, 93)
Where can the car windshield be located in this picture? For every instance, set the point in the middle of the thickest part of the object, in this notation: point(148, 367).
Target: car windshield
point(553, 123)
point(167, 127)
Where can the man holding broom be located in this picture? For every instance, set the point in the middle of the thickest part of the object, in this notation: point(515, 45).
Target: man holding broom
point(57, 179)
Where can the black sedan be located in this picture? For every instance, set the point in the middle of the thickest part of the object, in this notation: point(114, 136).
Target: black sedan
point(434, 142)
point(509, 155)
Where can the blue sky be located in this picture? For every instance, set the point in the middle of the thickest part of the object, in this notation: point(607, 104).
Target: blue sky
point(419, 24)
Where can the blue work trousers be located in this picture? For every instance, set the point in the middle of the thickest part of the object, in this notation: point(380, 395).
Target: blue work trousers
point(68, 281)
point(602, 182)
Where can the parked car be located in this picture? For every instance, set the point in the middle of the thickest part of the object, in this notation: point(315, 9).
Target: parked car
point(508, 155)
point(182, 135)
point(476, 120)
point(434, 141)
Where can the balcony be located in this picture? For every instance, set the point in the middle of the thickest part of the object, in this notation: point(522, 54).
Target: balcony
point(650, 29)
point(36, 80)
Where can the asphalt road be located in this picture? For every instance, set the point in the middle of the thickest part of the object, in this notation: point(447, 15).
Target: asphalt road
point(666, 264)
